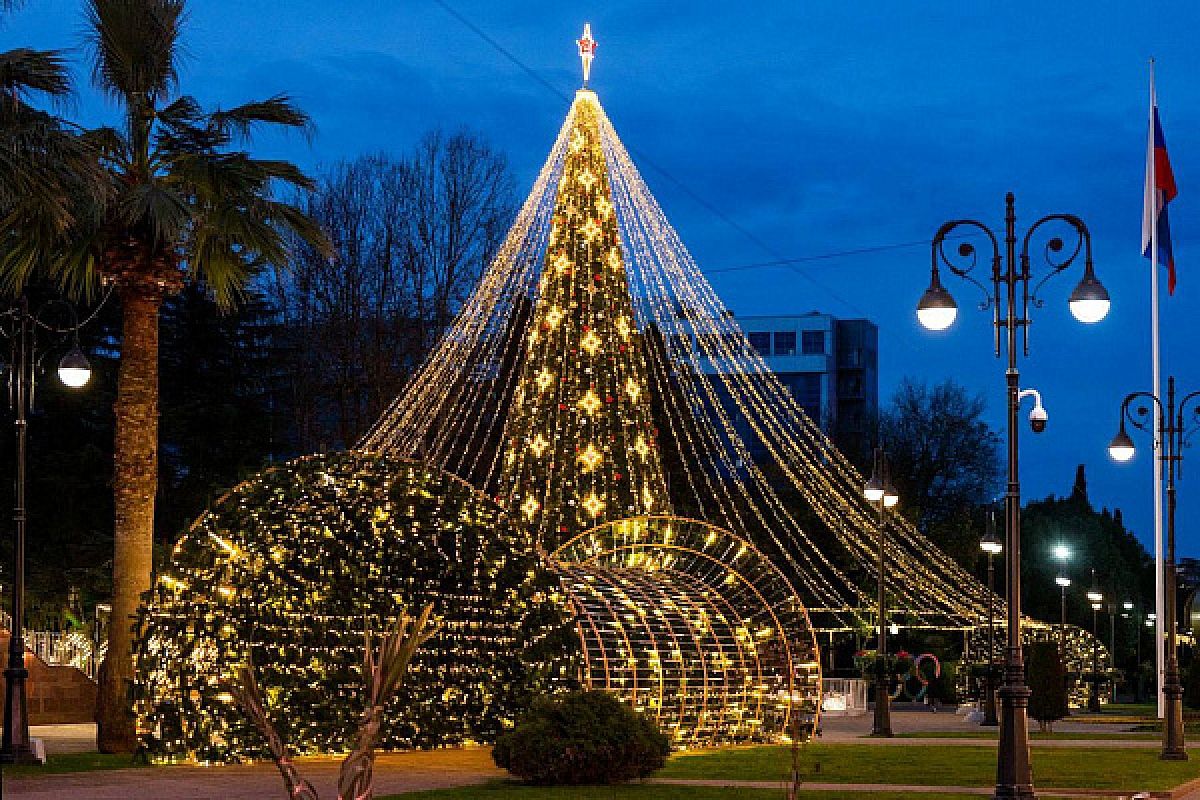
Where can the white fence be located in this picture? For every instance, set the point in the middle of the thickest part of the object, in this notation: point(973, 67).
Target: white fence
point(62, 649)
point(843, 697)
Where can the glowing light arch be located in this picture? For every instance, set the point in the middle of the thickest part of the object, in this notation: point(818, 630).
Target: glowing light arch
point(741, 654)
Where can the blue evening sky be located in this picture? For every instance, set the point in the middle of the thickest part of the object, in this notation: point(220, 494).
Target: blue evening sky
point(817, 128)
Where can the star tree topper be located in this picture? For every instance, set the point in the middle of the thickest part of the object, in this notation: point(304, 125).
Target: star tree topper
point(587, 50)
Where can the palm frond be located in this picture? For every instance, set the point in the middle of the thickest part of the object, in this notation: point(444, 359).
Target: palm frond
point(108, 143)
point(135, 46)
point(239, 122)
point(46, 173)
point(183, 130)
point(283, 171)
point(25, 71)
point(157, 209)
point(299, 227)
point(183, 110)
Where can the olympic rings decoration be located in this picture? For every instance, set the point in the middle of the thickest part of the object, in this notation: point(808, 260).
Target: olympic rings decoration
point(914, 684)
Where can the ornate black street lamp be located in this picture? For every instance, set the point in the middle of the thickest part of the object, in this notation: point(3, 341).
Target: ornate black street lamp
point(22, 327)
point(937, 310)
point(992, 545)
point(1174, 433)
point(879, 490)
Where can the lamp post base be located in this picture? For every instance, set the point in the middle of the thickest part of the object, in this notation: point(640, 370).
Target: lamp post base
point(15, 748)
point(882, 725)
point(1014, 775)
point(1173, 744)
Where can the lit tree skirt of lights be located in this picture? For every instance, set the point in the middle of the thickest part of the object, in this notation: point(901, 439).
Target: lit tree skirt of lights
point(288, 567)
point(693, 625)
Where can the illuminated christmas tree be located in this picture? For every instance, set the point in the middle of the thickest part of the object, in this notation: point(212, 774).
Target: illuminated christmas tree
point(581, 445)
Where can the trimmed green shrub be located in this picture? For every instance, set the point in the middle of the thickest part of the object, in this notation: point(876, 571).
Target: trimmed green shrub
point(582, 738)
point(1048, 683)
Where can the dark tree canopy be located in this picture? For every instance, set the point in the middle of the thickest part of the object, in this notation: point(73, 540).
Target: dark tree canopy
point(1096, 539)
point(945, 460)
point(411, 236)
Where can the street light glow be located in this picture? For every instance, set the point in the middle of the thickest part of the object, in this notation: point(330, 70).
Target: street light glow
point(873, 491)
point(1089, 301)
point(890, 497)
point(1121, 448)
point(74, 370)
point(936, 310)
point(1062, 552)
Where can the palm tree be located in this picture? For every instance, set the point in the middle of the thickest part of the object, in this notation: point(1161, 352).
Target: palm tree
point(182, 202)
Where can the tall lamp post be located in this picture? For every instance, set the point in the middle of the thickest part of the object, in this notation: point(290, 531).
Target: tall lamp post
point(1096, 598)
point(1111, 608)
point(1062, 553)
point(879, 490)
point(1130, 614)
point(22, 327)
point(992, 545)
point(1173, 435)
point(1010, 298)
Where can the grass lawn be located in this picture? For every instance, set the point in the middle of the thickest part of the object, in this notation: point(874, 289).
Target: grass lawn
point(1127, 710)
point(77, 762)
point(938, 766)
point(504, 791)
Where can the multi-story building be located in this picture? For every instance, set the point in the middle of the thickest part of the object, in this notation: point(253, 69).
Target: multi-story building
point(830, 365)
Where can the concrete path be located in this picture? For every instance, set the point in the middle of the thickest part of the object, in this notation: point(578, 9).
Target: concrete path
point(915, 789)
point(394, 774)
point(919, 720)
point(408, 772)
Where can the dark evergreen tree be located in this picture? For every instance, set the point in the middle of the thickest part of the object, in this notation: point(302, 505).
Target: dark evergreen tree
point(222, 401)
point(1048, 683)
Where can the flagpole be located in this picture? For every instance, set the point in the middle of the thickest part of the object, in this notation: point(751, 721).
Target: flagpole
point(1159, 594)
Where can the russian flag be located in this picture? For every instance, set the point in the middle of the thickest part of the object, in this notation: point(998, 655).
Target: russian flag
point(1160, 190)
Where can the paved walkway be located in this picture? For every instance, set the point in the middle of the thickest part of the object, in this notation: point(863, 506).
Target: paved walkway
point(918, 790)
point(940, 729)
point(408, 772)
point(394, 773)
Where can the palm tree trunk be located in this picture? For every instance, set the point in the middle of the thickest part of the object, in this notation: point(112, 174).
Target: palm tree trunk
point(135, 483)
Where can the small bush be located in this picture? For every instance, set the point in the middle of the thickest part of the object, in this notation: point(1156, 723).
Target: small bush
point(582, 738)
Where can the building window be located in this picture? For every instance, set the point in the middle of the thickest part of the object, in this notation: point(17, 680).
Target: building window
point(806, 388)
point(785, 343)
point(760, 341)
point(813, 343)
